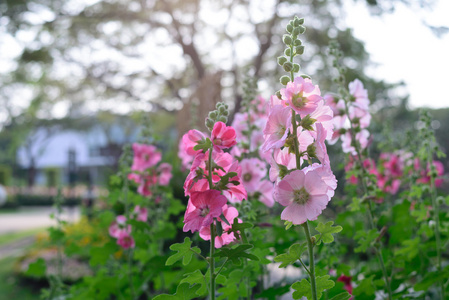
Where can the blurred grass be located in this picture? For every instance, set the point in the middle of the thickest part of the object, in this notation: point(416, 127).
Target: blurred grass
point(10, 287)
point(8, 238)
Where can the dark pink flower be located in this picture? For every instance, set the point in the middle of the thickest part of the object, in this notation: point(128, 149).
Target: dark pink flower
point(141, 213)
point(125, 240)
point(203, 208)
point(223, 136)
point(225, 238)
point(118, 226)
point(347, 282)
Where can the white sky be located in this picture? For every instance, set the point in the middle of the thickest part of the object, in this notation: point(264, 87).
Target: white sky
point(406, 50)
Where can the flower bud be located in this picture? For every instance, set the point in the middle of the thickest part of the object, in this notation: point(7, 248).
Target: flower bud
point(287, 39)
point(301, 29)
point(288, 66)
point(300, 50)
point(301, 21)
point(213, 115)
point(278, 94)
point(296, 22)
point(209, 124)
point(296, 31)
point(298, 43)
point(223, 119)
point(289, 28)
point(296, 68)
point(222, 109)
point(282, 60)
point(226, 113)
point(288, 52)
point(284, 80)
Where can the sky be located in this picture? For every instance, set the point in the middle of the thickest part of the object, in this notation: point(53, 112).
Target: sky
point(405, 49)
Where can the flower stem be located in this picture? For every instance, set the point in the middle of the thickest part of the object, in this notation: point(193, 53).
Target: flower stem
point(437, 219)
point(311, 260)
point(212, 262)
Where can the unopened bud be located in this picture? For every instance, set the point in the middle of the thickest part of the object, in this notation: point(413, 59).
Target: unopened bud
point(296, 22)
point(289, 28)
point(213, 115)
point(278, 94)
point(223, 119)
point(284, 80)
point(288, 52)
point(282, 60)
point(287, 39)
point(210, 124)
point(297, 43)
point(296, 31)
point(301, 21)
point(300, 50)
point(288, 66)
point(301, 29)
point(296, 68)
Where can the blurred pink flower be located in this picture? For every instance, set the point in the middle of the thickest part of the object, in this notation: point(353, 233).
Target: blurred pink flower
point(145, 156)
point(125, 240)
point(165, 174)
point(141, 213)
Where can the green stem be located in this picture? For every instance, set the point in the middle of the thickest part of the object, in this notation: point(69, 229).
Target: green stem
point(311, 260)
point(435, 206)
point(212, 262)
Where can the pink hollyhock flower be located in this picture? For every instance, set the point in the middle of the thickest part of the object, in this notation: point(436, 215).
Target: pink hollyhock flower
point(302, 96)
point(361, 137)
point(253, 170)
point(347, 282)
point(185, 149)
point(204, 207)
point(118, 226)
point(125, 240)
point(304, 193)
point(225, 238)
point(235, 193)
point(223, 136)
point(135, 177)
point(425, 177)
point(324, 116)
point(141, 213)
point(360, 94)
point(145, 156)
point(274, 100)
point(240, 124)
point(320, 146)
point(145, 185)
point(281, 157)
point(265, 189)
point(165, 174)
point(276, 129)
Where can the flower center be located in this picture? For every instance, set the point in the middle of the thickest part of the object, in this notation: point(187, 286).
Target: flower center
point(204, 211)
point(218, 142)
point(299, 100)
point(281, 131)
point(301, 196)
point(146, 157)
point(247, 177)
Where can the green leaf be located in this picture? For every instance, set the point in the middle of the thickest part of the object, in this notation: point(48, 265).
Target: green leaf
point(294, 253)
point(342, 296)
point(366, 286)
point(410, 248)
point(304, 289)
point(196, 278)
point(326, 231)
point(365, 239)
point(183, 292)
point(273, 293)
point(56, 234)
point(239, 229)
point(184, 251)
point(37, 269)
point(235, 254)
point(430, 279)
point(100, 255)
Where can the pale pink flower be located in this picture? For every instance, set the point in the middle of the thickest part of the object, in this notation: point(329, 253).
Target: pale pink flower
point(274, 100)
point(265, 189)
point(165, 174)
point(281, 157)
point(253, 170)
point(276, 129)
point(302, 96)
point(135, 177)
point(145, 156)
point(361, 137)
point(125, 240)
point(320, 146)
point(141, 213)
point(360, 94)
point(305, 195)
point(223, 136)
point(225, 238)
point(204, 207)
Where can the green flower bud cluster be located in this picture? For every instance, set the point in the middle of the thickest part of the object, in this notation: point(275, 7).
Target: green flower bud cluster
point(249, 91)
point(219, 115)
point(294, 47)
